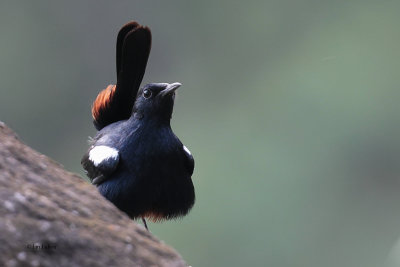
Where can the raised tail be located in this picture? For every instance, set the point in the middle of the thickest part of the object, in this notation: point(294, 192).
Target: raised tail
point(115, 103)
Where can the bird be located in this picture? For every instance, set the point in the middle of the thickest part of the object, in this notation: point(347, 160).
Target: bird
point(135, 159)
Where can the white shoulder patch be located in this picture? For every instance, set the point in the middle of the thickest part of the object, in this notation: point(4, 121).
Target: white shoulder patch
point(100, 153)
point(187, 150)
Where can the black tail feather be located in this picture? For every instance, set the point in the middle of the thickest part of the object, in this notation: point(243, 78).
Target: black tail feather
point(133, 50)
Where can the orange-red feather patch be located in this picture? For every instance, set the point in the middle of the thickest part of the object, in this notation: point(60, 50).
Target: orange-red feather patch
point(102, 101)
point(154, 216)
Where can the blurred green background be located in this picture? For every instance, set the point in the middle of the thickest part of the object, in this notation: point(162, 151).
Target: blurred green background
point(290, 109)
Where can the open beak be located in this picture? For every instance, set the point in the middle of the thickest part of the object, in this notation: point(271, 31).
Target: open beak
point(170, 89)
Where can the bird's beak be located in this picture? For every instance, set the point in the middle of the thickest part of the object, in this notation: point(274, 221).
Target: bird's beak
point(170, 89)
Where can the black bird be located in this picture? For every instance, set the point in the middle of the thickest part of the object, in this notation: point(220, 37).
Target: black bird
point(135, 159)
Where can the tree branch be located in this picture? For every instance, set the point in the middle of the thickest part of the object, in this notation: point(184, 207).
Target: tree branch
point(51, 217)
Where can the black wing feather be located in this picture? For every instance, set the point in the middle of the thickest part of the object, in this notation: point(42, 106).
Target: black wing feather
point(189, 162)
point(102, 170)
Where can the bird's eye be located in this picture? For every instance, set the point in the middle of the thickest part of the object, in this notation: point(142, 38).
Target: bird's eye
point(147, 93)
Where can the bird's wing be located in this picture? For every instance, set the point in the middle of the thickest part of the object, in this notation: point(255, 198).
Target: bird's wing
point(189, 160)
point(115, 103)
point(99, 162)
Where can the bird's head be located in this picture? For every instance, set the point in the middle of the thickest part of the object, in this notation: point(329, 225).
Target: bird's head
point(155, 101)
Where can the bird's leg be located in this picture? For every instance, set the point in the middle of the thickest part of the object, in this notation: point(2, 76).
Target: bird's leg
point(145, 224)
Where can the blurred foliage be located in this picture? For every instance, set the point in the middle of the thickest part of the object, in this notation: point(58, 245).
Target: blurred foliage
point(289, 107)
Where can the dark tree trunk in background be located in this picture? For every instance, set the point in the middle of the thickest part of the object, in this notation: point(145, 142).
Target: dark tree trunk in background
point(51, 217)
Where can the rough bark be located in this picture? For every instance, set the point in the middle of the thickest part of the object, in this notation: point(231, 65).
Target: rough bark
point(51, 217)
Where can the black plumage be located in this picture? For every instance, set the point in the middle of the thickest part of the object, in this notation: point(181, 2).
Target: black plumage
point(135, 159)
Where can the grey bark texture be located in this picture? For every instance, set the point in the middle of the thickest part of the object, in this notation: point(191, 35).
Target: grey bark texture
point(51, 217)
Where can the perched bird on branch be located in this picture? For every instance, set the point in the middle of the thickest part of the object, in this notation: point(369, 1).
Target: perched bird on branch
point(135, 159)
